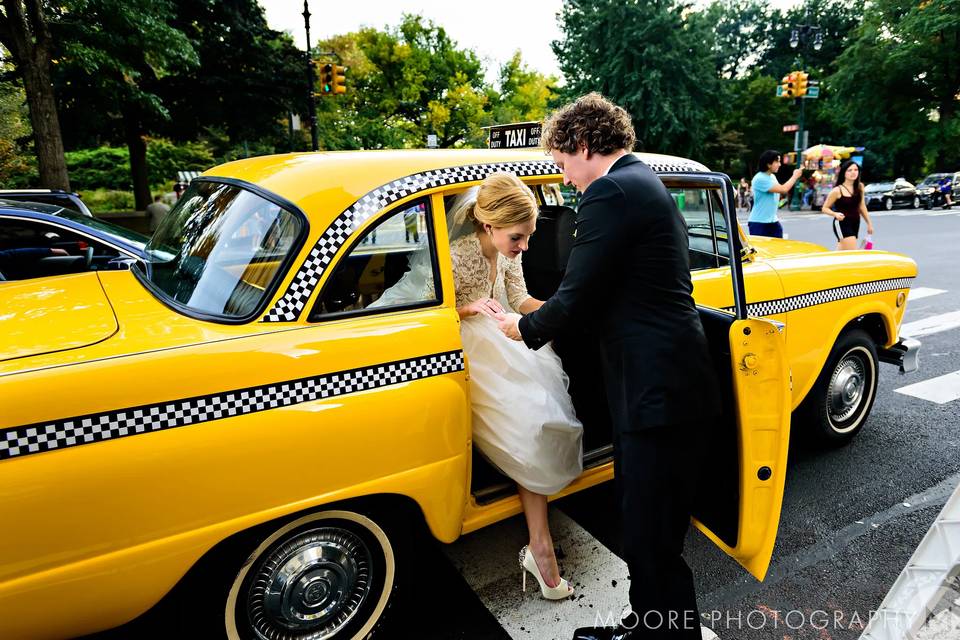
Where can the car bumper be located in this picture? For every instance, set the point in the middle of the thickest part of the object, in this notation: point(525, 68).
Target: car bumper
point(905, 354)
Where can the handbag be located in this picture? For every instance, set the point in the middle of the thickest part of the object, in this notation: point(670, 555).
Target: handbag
point(867, 242)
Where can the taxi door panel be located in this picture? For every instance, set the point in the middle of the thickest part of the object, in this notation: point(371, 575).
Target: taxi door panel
point(738, 502)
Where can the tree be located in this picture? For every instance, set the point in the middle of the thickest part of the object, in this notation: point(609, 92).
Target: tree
point(647, 58)
point(16, 169)
point(421, 83)
point(247, 79)
point(25, 33)
point(740, 33)
point(113, 55)
point(899, 83)
point(524, 93)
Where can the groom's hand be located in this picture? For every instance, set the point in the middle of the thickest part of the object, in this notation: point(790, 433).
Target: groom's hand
point(509, 325)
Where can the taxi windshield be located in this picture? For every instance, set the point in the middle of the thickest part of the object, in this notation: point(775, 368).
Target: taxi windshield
point(220, 250)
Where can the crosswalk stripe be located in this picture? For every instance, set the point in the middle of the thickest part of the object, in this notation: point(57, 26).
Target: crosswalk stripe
point(933, 324)
point(923, 292)
point(942, 389)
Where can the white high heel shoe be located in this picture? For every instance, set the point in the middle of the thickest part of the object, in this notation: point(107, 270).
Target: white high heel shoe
point(529, 563)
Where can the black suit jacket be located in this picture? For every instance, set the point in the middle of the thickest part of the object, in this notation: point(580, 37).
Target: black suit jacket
point(628, 282)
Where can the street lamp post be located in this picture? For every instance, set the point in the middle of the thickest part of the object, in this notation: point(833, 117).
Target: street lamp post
point(803, 34)
point(311, 104)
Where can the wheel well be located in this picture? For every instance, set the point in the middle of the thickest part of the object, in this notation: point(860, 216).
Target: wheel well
point(873, 324)
point(407, 513)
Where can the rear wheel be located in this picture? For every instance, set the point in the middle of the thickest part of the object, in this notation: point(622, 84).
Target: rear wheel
point(916, 202)
point(325, 575)
point(840, 400)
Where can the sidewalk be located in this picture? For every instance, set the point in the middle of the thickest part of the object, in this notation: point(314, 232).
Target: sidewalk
point(924, 602)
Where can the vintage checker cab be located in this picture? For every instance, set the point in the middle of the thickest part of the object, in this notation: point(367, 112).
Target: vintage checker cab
point(248, 424)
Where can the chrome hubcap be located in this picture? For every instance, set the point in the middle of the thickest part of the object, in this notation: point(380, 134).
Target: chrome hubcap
point(847, 387)
point(310, 587)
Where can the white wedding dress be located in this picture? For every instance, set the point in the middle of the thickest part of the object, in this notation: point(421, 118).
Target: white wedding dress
point(523, 419)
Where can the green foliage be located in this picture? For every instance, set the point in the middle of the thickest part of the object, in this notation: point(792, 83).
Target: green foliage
point(111, 56)
point(650, 60)
point(18, 167)
point(109, 167)
point(907, 113)
point(100, 200)
point(165, 158)
point(102, 167)
point(420, 83)
point(524, 93)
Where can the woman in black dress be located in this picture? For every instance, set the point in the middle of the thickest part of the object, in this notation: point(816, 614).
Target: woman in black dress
point(846, 205)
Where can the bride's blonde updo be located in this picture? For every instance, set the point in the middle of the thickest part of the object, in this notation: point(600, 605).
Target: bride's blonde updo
point(502, 201)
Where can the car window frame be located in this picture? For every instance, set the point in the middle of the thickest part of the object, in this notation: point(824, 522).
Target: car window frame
point(269, 292)
point(74, 230)
point(720, 261)
point(355, 239)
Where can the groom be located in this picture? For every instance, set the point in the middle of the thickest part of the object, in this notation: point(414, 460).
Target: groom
point(628, 281)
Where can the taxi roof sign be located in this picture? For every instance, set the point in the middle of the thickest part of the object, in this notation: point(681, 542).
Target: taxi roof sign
point(518, 135)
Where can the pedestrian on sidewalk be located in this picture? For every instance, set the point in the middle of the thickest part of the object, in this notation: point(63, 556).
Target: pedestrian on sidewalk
point(763, 220)
point(847, 205)
point(156, 211)
point(743, 194)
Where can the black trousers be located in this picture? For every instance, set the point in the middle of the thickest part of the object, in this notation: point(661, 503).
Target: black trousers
point(656, 477)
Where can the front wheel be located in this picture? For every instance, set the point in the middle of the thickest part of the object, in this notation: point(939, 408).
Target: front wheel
point(888, 203)
point(840, 400)
point(325, 575)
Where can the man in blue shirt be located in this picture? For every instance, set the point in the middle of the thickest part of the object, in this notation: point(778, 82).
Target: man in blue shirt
point(763, 219)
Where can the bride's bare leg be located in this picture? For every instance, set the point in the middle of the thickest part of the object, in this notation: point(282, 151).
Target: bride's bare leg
point(541, 544)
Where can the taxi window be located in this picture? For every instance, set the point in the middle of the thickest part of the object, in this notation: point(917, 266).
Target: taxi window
point(220, 252)
point(392, 266)
point(706, 228)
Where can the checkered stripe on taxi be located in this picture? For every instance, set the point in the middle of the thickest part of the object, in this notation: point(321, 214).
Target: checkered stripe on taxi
point(20, 441)
point(291, 304)
point(785, 305)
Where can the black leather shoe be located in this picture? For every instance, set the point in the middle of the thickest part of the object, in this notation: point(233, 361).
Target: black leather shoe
point(593, 633)
point(603, 633)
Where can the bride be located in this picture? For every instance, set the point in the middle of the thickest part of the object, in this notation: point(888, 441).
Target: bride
point(523, 418)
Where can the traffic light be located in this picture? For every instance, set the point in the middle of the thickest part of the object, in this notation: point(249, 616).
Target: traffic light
point(790, 85)
point(801, 84)
point(339, 79)
point(326, 79)
point(332, 79)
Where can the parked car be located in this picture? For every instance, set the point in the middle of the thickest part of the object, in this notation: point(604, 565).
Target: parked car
point(261, 412)
point(930, 192)
point(89, 244)
point(56, 197)
point(890, 195)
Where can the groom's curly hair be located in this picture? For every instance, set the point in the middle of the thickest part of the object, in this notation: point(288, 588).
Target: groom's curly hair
point(592, 122)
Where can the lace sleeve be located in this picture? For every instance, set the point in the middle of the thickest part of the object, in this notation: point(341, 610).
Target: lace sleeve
point(515, 284)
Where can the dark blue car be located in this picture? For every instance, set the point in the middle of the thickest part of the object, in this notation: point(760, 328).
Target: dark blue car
point(38, 240)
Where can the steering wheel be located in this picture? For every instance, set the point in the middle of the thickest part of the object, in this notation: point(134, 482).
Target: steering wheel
point(2, 277)
point(88, 257)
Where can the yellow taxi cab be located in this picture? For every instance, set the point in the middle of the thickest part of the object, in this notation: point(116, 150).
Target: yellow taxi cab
point(248, 421)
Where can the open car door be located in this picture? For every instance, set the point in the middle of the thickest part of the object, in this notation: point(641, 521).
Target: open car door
point(738, 502)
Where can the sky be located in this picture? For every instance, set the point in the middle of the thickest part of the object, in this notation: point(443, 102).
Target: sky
point(493, 29)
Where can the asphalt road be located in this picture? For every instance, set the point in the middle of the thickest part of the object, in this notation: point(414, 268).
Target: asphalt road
point(851, 517)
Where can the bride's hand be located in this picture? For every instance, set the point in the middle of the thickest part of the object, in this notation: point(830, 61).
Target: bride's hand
point(486, 306)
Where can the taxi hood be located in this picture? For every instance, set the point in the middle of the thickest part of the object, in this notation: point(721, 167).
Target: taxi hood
point(45, 315)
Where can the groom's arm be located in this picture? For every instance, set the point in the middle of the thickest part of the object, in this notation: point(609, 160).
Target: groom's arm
point(599, 223)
